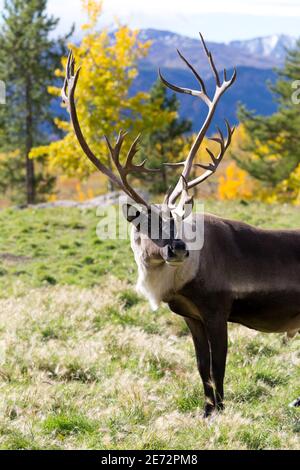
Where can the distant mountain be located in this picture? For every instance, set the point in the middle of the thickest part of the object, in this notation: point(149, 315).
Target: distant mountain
point(262, 53)
point(254, 59)
point(249, 89)
point(269, 47)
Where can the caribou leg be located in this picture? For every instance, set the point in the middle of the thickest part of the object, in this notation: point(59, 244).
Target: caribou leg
point(203, 356)
point(218, 340)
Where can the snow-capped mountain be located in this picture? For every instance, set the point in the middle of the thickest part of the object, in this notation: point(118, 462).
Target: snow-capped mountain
point(261, 53)
point(254, 59)
point(274, 46)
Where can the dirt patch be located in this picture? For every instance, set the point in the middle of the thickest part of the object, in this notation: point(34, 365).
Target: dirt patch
point(10, 258)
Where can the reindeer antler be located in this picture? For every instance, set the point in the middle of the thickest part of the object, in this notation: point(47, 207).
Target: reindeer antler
point(183, 185)
point(68, 96)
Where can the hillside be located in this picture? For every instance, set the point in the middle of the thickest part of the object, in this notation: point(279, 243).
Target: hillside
point(258, 53)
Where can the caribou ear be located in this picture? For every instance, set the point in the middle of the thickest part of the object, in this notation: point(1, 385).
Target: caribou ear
point(131, 213)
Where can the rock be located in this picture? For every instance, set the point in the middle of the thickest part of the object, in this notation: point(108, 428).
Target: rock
point(105, 200)
point(47, 205)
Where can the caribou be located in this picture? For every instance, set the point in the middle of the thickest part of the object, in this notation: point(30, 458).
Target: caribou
point(240, 273)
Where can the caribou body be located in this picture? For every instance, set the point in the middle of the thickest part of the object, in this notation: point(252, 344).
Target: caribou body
point(240, 274)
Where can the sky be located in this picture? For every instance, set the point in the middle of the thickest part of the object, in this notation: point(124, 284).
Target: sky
point(219, 20)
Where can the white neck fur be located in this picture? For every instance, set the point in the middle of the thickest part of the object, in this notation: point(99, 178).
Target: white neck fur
point(159, 283)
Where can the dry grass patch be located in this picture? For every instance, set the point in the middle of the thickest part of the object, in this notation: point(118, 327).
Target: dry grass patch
point(94, 368)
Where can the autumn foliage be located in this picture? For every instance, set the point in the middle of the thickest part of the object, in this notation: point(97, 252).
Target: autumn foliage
point(104, 102)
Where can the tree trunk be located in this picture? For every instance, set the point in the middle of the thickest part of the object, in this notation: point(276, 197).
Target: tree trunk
point(164, 178)
point(164, 173)
point(30, 177)
point(30, 180)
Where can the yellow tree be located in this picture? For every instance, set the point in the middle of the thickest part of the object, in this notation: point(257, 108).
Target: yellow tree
point(234, 182)
point(104, 103)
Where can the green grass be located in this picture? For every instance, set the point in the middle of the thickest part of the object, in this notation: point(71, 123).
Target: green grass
point(63, 425)
point(57, 246)
point(85, 364)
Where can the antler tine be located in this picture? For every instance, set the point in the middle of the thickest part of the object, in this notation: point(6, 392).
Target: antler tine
point(230, 132)
point(117, 149)
point(133, 150)
point(202, 84)
point(175, 87)
point(202, 94)
point(220, 140)
point(175, 164)
point(216, 160)
point(211, 166)
point(220, 133)
point(70, 65)
point(114, 151)
point(64, 90)
point(110, 147)
point(233, 78)
point(211, 61)
point(129, 166)
point(223, 145)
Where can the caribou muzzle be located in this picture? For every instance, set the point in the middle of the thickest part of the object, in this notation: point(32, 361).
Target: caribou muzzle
point(176, 252)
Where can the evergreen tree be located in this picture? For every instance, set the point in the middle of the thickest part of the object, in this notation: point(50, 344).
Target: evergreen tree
point(272, 148)
point(28, 59)
point(166, 144)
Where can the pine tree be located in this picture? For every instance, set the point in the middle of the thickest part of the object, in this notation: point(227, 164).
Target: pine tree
point(28, 59)
point(166, 144)
point(272, 148)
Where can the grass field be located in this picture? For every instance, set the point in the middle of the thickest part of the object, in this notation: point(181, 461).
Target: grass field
point(85, 364)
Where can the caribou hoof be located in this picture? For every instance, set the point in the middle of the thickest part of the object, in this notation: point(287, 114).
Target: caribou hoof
point(220, 407)
point(208, 410)
point(211, 409)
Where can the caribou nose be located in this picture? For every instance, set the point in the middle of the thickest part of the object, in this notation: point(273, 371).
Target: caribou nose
point(179, 246)
point(177, 250)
